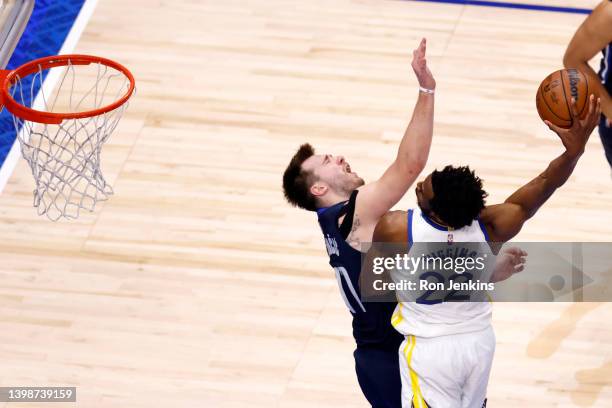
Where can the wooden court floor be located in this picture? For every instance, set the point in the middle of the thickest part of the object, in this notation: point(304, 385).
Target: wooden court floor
point(197, 286)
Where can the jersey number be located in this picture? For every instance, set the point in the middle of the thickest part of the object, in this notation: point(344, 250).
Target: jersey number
point(341, 273)
point(428, 298)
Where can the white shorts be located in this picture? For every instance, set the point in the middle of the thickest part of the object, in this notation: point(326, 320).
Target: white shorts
point(447, 371)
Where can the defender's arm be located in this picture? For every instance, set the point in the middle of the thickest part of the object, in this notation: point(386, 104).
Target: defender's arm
point(594, 34)
point(376, 198)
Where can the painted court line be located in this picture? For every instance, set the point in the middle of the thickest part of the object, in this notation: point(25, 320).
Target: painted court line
point(521, 6)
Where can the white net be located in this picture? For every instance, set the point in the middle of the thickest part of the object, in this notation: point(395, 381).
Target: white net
point(65, 158)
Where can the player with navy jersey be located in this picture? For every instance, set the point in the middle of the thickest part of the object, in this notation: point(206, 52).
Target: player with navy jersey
point(348, 211)
point(376, 360)
point(593, 36)
point(448, 349)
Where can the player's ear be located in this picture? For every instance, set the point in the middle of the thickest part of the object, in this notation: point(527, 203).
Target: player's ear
point(318, 189)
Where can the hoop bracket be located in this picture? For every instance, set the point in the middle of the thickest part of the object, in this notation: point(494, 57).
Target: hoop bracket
point(3, 74)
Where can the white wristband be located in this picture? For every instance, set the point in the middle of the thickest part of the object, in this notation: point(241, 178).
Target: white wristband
point(427, 91)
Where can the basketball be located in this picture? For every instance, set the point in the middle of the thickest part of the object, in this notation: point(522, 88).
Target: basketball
point(556, 92)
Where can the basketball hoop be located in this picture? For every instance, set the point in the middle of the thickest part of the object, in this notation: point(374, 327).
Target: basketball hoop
point(62, 134)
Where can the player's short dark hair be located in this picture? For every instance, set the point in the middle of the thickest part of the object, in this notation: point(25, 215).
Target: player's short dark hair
point(458, 195)
point(297, 181)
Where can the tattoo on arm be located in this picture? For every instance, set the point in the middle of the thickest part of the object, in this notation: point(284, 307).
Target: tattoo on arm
point(352, 239)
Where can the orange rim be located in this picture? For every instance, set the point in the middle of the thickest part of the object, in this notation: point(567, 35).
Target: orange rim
point(9, 78)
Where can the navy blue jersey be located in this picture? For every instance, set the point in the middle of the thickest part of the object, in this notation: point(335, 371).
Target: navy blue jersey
point(605, 68)
point(371, 321)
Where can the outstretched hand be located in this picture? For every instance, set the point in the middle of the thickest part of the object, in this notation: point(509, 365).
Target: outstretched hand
point(574, 139)
point(510, 261)
point(419, 65)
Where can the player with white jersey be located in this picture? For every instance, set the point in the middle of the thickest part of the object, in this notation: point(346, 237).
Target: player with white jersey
point(446, 357)
point(431, 319)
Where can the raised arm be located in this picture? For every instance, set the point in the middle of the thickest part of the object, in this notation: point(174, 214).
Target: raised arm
point(504, 221)
point(376, 198)
point(594, 34)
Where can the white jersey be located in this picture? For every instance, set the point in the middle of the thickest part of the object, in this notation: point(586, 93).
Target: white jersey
point(441, 319)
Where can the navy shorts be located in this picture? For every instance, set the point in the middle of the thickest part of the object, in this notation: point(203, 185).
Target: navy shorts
point(378, 374)
point(605, 133)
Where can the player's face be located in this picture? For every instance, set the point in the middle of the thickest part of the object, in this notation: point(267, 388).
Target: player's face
point(424, 193)
point(333, 171)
